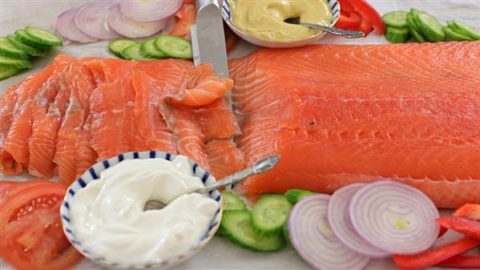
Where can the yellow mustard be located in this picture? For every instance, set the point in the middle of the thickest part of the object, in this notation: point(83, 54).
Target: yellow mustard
point(265, 19)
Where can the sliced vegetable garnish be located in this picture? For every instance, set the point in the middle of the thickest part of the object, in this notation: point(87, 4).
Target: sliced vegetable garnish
point(463, 30)
point(369, 14)
point(150, 50)
point(434, 256)
point(67, 28)
point(237, 226)
point(463, 262)
point(149, 11)
point(349, 22)
point(230, 201)
point(466, 226)
point(130, 28)
point(452, 35)
point(429, 26)
point(9, 49)
point(339, 220)
point(270, 213)
point(175, 47)
point(313, 239)
point(32, 51)
point(134, 53)
point(394, 217)
point(295, 195)
point(43, 37)
point(7, 72)
point(91, 19)
point(469, 211)
point(397, 35)
point(14, 62)
point(118, 46)
point(396, 19)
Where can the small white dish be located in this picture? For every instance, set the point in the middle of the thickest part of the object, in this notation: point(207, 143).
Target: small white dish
point(227, 17)
point(93, 174)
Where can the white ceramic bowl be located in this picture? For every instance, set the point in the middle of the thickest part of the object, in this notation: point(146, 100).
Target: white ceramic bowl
point(93, 174)
point(227, 17)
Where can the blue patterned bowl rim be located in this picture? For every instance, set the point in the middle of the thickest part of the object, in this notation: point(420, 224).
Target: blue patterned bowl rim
point(93, 173)
point(227, 14)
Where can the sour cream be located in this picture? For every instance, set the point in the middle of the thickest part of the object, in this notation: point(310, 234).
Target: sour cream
point(108, 215)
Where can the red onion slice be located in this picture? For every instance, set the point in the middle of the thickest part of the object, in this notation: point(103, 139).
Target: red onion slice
point(67, 28)
point(132, 29)
point(339, 220)
point(315, 242)
point(149, 10)
point(394, 217)
point(92, 20)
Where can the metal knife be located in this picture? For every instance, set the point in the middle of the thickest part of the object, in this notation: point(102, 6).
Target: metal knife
point(208, 37)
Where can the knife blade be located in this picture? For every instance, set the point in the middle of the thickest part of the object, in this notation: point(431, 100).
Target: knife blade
point(208, 37)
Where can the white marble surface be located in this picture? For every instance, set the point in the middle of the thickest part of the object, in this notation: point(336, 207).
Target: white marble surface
point(219, 254)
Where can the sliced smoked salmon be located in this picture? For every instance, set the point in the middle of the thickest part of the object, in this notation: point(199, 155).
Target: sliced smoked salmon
point(343, 114)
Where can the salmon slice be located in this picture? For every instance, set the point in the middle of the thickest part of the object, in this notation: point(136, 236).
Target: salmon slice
point(19, 119)
point(343, 114)
point(79, 84)
point(224, 158)
point(41, 145)
point(216, 120)
point(66, 151)
point(7, 104)
point(150, 122)
point(203, 87)
point(86, 155)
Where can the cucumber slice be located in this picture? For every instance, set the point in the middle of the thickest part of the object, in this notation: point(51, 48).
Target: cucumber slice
point(22, 36)
point(463, 30)
point(396, 19)
point(148, 48)
point(15, 63)
point(231, 201)
point(134, 53)
point(9, 49)
point(413, 27)
point(43, 37)
point(32, 51)
point(175, 47)
point(118, 46)
point(237, 226)
point(452, 35)
point(270, 213)
point(7, 72)
point(430, 28)
point(295, 195)
point(397, 35)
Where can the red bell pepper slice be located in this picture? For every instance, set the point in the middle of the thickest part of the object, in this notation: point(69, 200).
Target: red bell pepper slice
point(469, 210)
point(467, 226)
point(370, 14)
point(349, 22)
point(435, 256)
point(345, 6)
point(366, 27)
point(464, 262)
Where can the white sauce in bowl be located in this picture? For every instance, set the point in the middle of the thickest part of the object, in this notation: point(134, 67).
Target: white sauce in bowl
point(108, 215)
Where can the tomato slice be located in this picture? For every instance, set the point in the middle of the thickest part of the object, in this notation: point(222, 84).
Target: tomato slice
point(369, 14)
point(5, 187)
point(31, 234)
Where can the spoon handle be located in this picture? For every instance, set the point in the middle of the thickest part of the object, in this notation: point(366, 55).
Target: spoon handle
point(261, 166)
point(335, 31)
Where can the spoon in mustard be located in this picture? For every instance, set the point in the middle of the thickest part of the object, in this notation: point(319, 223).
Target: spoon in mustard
point(259, 167)
point(328, 29)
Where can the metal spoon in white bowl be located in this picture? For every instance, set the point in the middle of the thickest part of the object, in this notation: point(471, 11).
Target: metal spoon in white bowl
point(328, 29)
point(261, 166)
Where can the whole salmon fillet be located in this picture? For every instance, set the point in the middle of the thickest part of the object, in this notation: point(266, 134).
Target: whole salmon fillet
point(343, 114)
